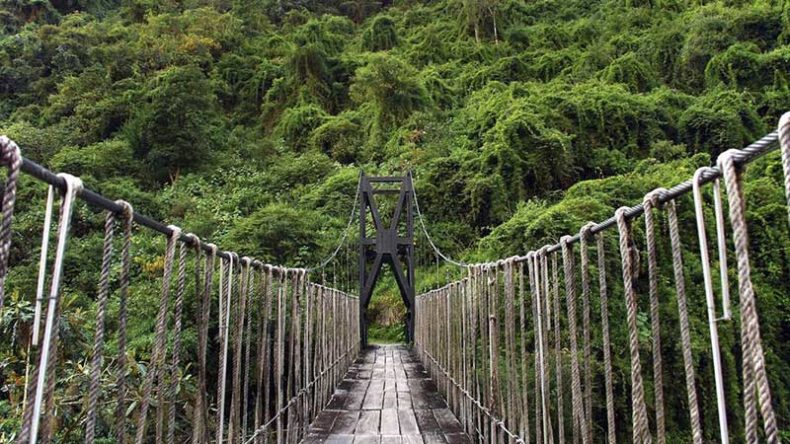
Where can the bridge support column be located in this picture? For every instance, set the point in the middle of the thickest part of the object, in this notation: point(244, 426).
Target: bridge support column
point(391, 243)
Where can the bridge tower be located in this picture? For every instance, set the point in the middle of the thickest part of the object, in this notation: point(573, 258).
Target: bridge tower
point(391, 243)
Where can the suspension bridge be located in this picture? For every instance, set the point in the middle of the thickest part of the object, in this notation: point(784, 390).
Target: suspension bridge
point(517, 350)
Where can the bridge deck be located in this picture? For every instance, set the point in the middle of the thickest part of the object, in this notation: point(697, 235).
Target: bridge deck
point(386, 398)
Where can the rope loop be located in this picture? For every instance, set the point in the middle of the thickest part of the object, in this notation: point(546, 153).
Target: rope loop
point(585, 233)
point(127, 210)
point(198, 244)
point(11, 156)
point(653, 198)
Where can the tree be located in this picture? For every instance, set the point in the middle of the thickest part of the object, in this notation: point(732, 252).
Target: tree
point(392, 85)
point(175, 128)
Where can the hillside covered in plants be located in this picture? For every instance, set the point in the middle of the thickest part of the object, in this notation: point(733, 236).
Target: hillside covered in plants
point(246, 122)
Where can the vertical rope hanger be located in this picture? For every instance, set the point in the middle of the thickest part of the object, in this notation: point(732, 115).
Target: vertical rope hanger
point(11, 157)
point(43, 374)
point(570, 289)
point(683, 318)
point(584, 237)
point(199, 432)
point(555, 285)
point(710, 301)
point(650, 202)
point(224, 333)
point(607, 347)
point(159, 350)
point(245, 405)
point(98, 345)
point(755, 376)
point(126, 262)
point(234, 422)
point(174, 370)
point(544, 263)
point(641, 432)
point(525, 431)
point(784, 141)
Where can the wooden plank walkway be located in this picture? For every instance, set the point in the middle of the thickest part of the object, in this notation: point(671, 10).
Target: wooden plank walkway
point(386, 398)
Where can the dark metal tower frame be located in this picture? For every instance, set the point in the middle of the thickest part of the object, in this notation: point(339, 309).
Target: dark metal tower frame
point(386, 245)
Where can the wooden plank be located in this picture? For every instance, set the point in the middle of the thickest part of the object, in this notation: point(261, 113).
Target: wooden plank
point(373, 401)
point(434, 438)
point(345, 423)
point(408, 423)
point(389, 422)
point(426, 422)
point(390, 400)
point(399, 405)
point(324, 421)
point(447, 421)
point(368, 423)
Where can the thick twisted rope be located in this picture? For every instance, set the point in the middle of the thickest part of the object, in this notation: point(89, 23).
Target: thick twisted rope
point(11, 157)
point(641, 432)
point(753, 357)
point(158, 353)
point(650, 202)
point(683, 318)
point(247, 355)
point(241, 309)
point(784, 141)
point(524, 428)
point(98, 344)
point(44, 373)
point(607, 346)
point(199, 434)
point(570, 294)
point(555, 288)
point(123, 317)
point(584, 238)
point(174, 370)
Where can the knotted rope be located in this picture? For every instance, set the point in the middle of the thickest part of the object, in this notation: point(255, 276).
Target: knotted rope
point(11, 157)
point(649, 203)
point(98, 345)
point(641, 433)
point(123, 317)
point(754, 361)
point(570, 294)
point(683, 318)
point(44, 373)
point(159, 351)
point(784, 141)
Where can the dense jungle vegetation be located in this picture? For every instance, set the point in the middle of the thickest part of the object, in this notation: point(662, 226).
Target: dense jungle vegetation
point(246, 122)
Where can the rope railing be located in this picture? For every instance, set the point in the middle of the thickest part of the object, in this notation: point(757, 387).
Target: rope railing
point(265, 364)
point(468, 332)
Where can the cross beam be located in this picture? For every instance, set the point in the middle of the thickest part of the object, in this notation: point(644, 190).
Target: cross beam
point(386, 245)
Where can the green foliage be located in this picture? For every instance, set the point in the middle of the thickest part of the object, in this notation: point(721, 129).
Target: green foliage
point(246, 122)
point(173, 131)
point(279, 232)
point(380, 35)
point(392, 86)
